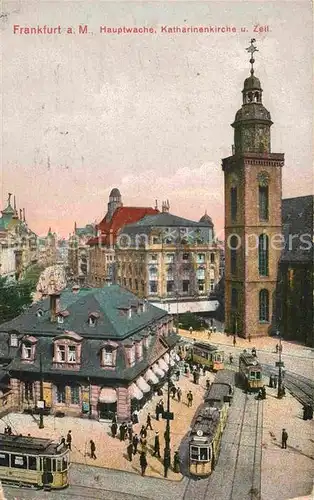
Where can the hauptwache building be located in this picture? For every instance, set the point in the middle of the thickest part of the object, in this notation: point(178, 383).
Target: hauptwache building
point(98, 351)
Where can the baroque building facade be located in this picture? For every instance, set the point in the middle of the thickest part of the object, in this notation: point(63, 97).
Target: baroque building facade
point(253, 226)
point(93, 352)
point(164, 257)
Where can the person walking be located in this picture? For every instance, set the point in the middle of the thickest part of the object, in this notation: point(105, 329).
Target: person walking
point(149, 422)
point(156, 445)
point(234, 341)
point(158, 410)
point(121, 432)
point(129, 451)
point(92, 449)
point(69, 440)
point(230, 359)
point(143, 442)
point(135, 442)
point(130, 431)
point(190, 399)
point(284, 438)
point(143, 463)
point(207, 384)
point(162, 409)
point(125, 426)
point(179, 394)
point(173, 391)
point(114, 429)
point(143, 432)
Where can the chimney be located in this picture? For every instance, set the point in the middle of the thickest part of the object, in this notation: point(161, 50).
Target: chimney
point(75, 289)
point(23, 214)
point(156, 205)
point(54, 306)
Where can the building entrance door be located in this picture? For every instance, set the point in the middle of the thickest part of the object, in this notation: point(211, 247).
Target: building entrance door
point(106, 411)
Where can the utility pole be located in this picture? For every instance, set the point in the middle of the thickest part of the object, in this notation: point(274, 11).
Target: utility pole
point(279, 364)
point(169, 416)
point(41, 410)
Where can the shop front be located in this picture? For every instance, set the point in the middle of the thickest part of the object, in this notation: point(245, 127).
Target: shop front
point(107, 403)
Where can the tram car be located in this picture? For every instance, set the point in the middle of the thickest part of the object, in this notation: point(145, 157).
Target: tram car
point(206, 433)
point(208, 355)
point(250, 371)
point(33, 462)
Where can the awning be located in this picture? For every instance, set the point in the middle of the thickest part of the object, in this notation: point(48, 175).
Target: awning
point(142, 385)
point(135, 392)
point(172, 363)
point(175, 356)
point(151, 377)
point(166, 358)
point(107, 395)
point(163, 365)
point(158, 371)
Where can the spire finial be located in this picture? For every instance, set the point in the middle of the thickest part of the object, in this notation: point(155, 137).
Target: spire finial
point(9, 198)
point(252, 49)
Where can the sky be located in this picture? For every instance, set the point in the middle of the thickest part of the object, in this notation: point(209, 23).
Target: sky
point(147, 113)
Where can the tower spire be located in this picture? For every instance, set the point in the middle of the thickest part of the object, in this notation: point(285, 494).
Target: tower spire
point(252, 49)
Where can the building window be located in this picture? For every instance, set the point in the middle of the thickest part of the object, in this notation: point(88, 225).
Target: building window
point(169, 258)
point(40, 313)
point(263, 203)
point(170, 286)
point(200, 273)
point(234, 203)
point(264, 305)
point(75, 395)
point(61, 353)
point(185, 256)
point(201, 285)
point(153, 273)
point(233, 254)
point(263, 255)
point(234, 298)
point(132, 356)
point(212, 285)
point(60, 393)
point(153, 287)
point(28, 387)
point(107, 357)
point(153, 257)
point(14, 340)
point(201, 258)
point(212, 258)
point(185, 286)
point(27, 351)
point(72, 354)
point(155, 240)
point(60, 319)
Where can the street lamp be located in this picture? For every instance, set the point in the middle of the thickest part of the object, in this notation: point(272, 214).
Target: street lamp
point(168, 416)
point(279, 364)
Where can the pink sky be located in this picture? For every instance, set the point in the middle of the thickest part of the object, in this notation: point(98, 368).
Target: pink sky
point(149, 114)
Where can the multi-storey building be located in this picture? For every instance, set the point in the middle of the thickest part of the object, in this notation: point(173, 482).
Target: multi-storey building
point(253, 176)
point(164, 257)
point(102, 247)
point(92, 352)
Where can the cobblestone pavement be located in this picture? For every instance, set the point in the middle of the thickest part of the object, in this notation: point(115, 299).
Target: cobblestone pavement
point(111, 453)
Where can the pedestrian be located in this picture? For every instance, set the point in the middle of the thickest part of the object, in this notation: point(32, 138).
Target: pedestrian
point(204, 370)
point(125, 430)
point(69, 440)
point(114, 418)
point(162, 410)
point(178, 375)
point(191, 330)
point(92, 449)
point(135, 417)
point(230, 359)
point(207, 384)
point(263, 392)
point(208, 333)
point(114, 429)
point(149, 422)
point(143, 432)
point(271, 382)
point(121, 432)
point(277, 348)
point(176, 462)
point(130, 431)
point(173, 391)
point(253, 352)
point(284, 438)
point(143, 463)
point(157, 410)
point(234, 341)
point(190, 398)
point(275, 381)
point(179, 394)
point(143, 442)
point(215, 329)
point(135, 442)
point(156, 445)
point(129, 451)
point(211, 322)
point(194, 377)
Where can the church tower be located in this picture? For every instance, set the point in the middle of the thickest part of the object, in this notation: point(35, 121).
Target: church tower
point(252, 217)
point(115, 201)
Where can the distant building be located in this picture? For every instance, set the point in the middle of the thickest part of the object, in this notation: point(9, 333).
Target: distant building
point(78, 253)
point(103, 351)
point(102, 247)
point(167, 258)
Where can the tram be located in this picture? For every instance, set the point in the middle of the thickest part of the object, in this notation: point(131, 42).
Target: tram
point(208, 355)
point(206, 433)
point(250, 371)
point(33, 462)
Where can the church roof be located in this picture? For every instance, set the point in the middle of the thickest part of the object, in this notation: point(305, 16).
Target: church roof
point(252, 83)
point(167, 220)
point(297, 222)
point(115, 192)
point(206, 218)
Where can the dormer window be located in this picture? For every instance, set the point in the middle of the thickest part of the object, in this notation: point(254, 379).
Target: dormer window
point(72, 354)
point(92, 318)
point(14, 340)
point(39, 313)
point(107, 357)
point(27, 351)
point(60, 319)
point(61, 353)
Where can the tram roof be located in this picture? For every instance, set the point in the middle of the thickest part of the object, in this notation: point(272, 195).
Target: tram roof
point(206, 422)
point(205, 345)
point(249, 359)
point(225, 377)
point(217, 392)
point(27, 445)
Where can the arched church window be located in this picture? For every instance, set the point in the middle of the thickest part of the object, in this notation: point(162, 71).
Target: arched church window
point(250, 97)
point(233, 254)
point(263, 256)
point(234, 202)
point(234, 298)
point(263, 195)
point(264, 305)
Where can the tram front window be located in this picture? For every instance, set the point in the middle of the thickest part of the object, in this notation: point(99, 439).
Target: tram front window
point(4, 460)
point(203, 454)
point(194, 452)
point(32, 463)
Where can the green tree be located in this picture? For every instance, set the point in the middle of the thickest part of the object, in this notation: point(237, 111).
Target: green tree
point(14, 298)
point(189, 319)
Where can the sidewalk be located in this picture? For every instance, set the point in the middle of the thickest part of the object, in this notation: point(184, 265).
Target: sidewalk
point(111, 453)
point(286, 473)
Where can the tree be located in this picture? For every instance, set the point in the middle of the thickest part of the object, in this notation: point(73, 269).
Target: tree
point(14, 298)
point(189, 319)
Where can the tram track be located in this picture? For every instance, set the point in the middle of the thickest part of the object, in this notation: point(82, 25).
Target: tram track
point(300, 387)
